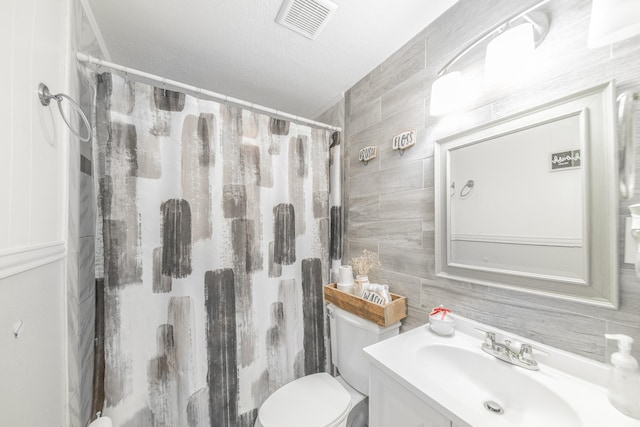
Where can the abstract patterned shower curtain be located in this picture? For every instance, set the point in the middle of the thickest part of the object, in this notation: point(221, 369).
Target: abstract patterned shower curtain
point(217, 238)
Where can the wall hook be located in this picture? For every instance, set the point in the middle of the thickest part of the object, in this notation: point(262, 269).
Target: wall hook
point(404, 140)
point(17, 328)
point(367, 153)
point(467, 189)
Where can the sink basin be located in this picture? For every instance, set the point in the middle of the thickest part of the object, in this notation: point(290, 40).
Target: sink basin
point(471, 388)
point(507, 393)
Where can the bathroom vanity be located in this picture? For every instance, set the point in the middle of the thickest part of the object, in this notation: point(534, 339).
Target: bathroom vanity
point(392, 404)
point(420, 379)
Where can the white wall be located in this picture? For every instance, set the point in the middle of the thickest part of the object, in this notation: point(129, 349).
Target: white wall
point(32, 366)
point(34, 40)
point(512, 178)
point(32, 169)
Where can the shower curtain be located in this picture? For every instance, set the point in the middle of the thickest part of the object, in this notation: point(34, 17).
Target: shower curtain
point(217, 231)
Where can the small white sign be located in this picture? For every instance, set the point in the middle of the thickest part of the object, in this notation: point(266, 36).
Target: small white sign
point(373, 297)
point(405, 139)
point(368, 153)
point(565, 160)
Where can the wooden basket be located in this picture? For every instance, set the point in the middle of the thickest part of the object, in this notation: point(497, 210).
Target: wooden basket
point(383, 315)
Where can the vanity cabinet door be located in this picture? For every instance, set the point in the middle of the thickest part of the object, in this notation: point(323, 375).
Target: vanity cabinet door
point(391, 405)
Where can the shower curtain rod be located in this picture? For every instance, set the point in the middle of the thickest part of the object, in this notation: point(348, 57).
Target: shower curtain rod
point(91, 61)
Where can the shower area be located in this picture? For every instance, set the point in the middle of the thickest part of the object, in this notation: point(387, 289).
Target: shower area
point(216, 228)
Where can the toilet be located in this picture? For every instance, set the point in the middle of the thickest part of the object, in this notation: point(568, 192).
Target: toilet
point(320, 400)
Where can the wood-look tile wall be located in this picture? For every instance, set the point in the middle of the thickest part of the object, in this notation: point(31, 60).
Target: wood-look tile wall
point(389, 203)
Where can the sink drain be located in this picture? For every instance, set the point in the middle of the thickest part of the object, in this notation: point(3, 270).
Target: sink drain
point(493, 407)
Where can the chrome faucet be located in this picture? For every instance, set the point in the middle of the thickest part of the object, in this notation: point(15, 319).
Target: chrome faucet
point(519, 355)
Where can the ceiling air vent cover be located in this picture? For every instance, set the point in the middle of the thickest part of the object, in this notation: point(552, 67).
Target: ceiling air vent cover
point(306, 17)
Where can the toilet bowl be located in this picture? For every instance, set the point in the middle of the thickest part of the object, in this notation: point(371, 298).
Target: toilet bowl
point(320, 400)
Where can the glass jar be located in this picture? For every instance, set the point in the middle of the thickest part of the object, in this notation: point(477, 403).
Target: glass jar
point(359, 283)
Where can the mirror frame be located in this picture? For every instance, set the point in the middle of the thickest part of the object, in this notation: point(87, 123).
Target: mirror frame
point(596, 107)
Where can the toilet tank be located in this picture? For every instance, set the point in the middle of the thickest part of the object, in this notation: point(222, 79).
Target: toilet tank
point(349, 335)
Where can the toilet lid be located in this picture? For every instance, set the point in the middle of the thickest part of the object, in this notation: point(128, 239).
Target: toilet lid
point(315, 400)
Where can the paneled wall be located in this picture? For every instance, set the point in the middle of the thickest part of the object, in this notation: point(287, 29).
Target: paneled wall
point(390, 202)
point(33, 199)
point(32, 158)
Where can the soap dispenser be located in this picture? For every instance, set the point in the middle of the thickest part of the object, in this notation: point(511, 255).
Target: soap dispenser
point(624, 380)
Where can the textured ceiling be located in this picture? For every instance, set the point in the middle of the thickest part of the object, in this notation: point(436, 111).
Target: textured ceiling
point(236, 48)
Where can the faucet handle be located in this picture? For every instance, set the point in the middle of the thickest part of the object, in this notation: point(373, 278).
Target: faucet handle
point(489, 339)
point(526, 356)
point(526, 352)
point(484, 331)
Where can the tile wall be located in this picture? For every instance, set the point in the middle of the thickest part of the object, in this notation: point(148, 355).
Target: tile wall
point(390, 202)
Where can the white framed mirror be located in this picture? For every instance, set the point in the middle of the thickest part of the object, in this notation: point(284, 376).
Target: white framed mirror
point(529, 202)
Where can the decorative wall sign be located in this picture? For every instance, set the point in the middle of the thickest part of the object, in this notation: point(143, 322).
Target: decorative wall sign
point(565, 160)
point(369, 152)
point(404, 140)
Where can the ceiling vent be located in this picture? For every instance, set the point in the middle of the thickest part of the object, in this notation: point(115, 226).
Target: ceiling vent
point(306, 17)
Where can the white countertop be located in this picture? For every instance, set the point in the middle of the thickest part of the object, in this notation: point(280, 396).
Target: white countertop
point(568, 388)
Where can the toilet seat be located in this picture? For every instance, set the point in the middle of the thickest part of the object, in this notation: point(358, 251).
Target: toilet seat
point(316, 400)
